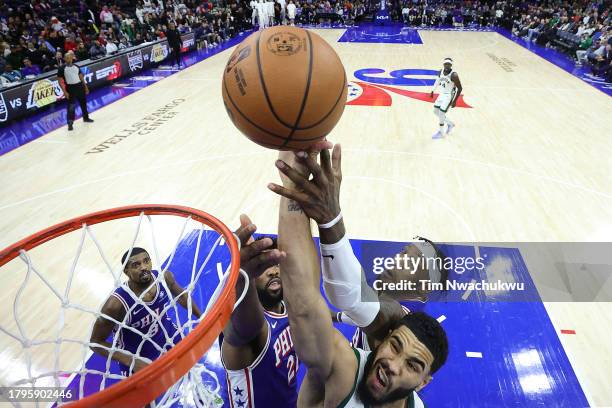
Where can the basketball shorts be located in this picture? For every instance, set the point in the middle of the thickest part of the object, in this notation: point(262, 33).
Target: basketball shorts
point(443, 102)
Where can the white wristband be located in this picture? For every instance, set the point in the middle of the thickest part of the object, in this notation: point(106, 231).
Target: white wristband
point(332, 222)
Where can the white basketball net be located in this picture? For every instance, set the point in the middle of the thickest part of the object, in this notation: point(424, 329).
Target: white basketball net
point(198, 388)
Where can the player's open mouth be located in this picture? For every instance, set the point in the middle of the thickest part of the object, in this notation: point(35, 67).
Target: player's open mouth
point(274, 284)
point(145, 275)
point(381, 379)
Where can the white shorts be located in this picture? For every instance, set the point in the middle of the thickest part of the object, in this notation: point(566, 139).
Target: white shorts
point(444, 101)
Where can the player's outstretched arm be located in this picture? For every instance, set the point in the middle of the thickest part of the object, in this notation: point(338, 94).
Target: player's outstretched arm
point(322, 348)
point(246, 333)
point(344, 282)
point(103, 327)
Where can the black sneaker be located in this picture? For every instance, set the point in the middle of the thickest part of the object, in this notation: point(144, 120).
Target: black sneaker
point(88, 120)
point(70, 126)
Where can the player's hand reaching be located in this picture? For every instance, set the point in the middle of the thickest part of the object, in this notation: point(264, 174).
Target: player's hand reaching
point(255, 255)
point(318, 197)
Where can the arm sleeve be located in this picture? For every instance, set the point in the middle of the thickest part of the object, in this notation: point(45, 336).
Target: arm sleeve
point(344, 283)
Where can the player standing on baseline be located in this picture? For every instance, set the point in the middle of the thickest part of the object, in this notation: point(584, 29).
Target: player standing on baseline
point(449, 81)
point(257, 350)
point(338, 375)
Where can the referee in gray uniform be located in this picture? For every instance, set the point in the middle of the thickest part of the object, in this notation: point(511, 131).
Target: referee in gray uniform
point(73, 84)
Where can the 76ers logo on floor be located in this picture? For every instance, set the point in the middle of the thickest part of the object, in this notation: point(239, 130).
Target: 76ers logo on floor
point(375, 86)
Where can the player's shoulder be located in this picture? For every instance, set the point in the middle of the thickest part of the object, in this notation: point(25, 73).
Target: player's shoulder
point(168, 275)
point(346, 372)
point(454, 74)
point(115, 306)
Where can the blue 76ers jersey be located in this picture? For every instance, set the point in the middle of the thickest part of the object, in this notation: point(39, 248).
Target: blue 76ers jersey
point(139, 318)
point(360, 339)
point(271, 380)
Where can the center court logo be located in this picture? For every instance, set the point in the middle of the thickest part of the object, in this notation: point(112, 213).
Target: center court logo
point(375, 87)
point(135, 60)
point(43, 93)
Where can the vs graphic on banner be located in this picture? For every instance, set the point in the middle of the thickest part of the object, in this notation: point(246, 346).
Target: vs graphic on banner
point(374, 86)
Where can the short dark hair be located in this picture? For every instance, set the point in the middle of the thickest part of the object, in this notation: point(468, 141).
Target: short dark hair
point(429, 332)
point(132, 252)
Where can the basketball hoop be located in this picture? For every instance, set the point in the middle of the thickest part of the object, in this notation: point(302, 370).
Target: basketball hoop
point(152, 381)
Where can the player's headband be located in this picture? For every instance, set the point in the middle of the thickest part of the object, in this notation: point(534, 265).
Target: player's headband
point(448, 61)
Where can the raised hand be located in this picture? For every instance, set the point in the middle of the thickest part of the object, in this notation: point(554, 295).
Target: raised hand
point(318, 197)
point(255, 255)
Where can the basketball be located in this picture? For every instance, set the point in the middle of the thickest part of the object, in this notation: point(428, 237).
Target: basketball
point(284, 88)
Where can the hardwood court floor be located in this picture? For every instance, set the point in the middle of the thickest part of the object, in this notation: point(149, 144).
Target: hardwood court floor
point(529, 162)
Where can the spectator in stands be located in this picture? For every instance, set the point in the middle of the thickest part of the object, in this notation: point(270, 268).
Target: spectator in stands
point(97, 50)
point(15, 58)
point(43, 57)
point(535, 31)
point(549, 32)
point(602, 61)
point(291, 12)
point(56, 25)
point(29, 69)
point(70, 43)
point(597, 51)
point(111, 48)
point(211, 38)
point(128, 29)
point(106, 16)
point(6, 49)
point(139, 13)
point(123, 43)
point(138, 39)
point(56, 40)
point(58, 60)
point(583, 49)
point(32, 53)
point(81, 52)
point(10, 75)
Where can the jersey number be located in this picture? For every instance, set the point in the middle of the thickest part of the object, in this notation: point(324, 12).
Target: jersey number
point(293, 363)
